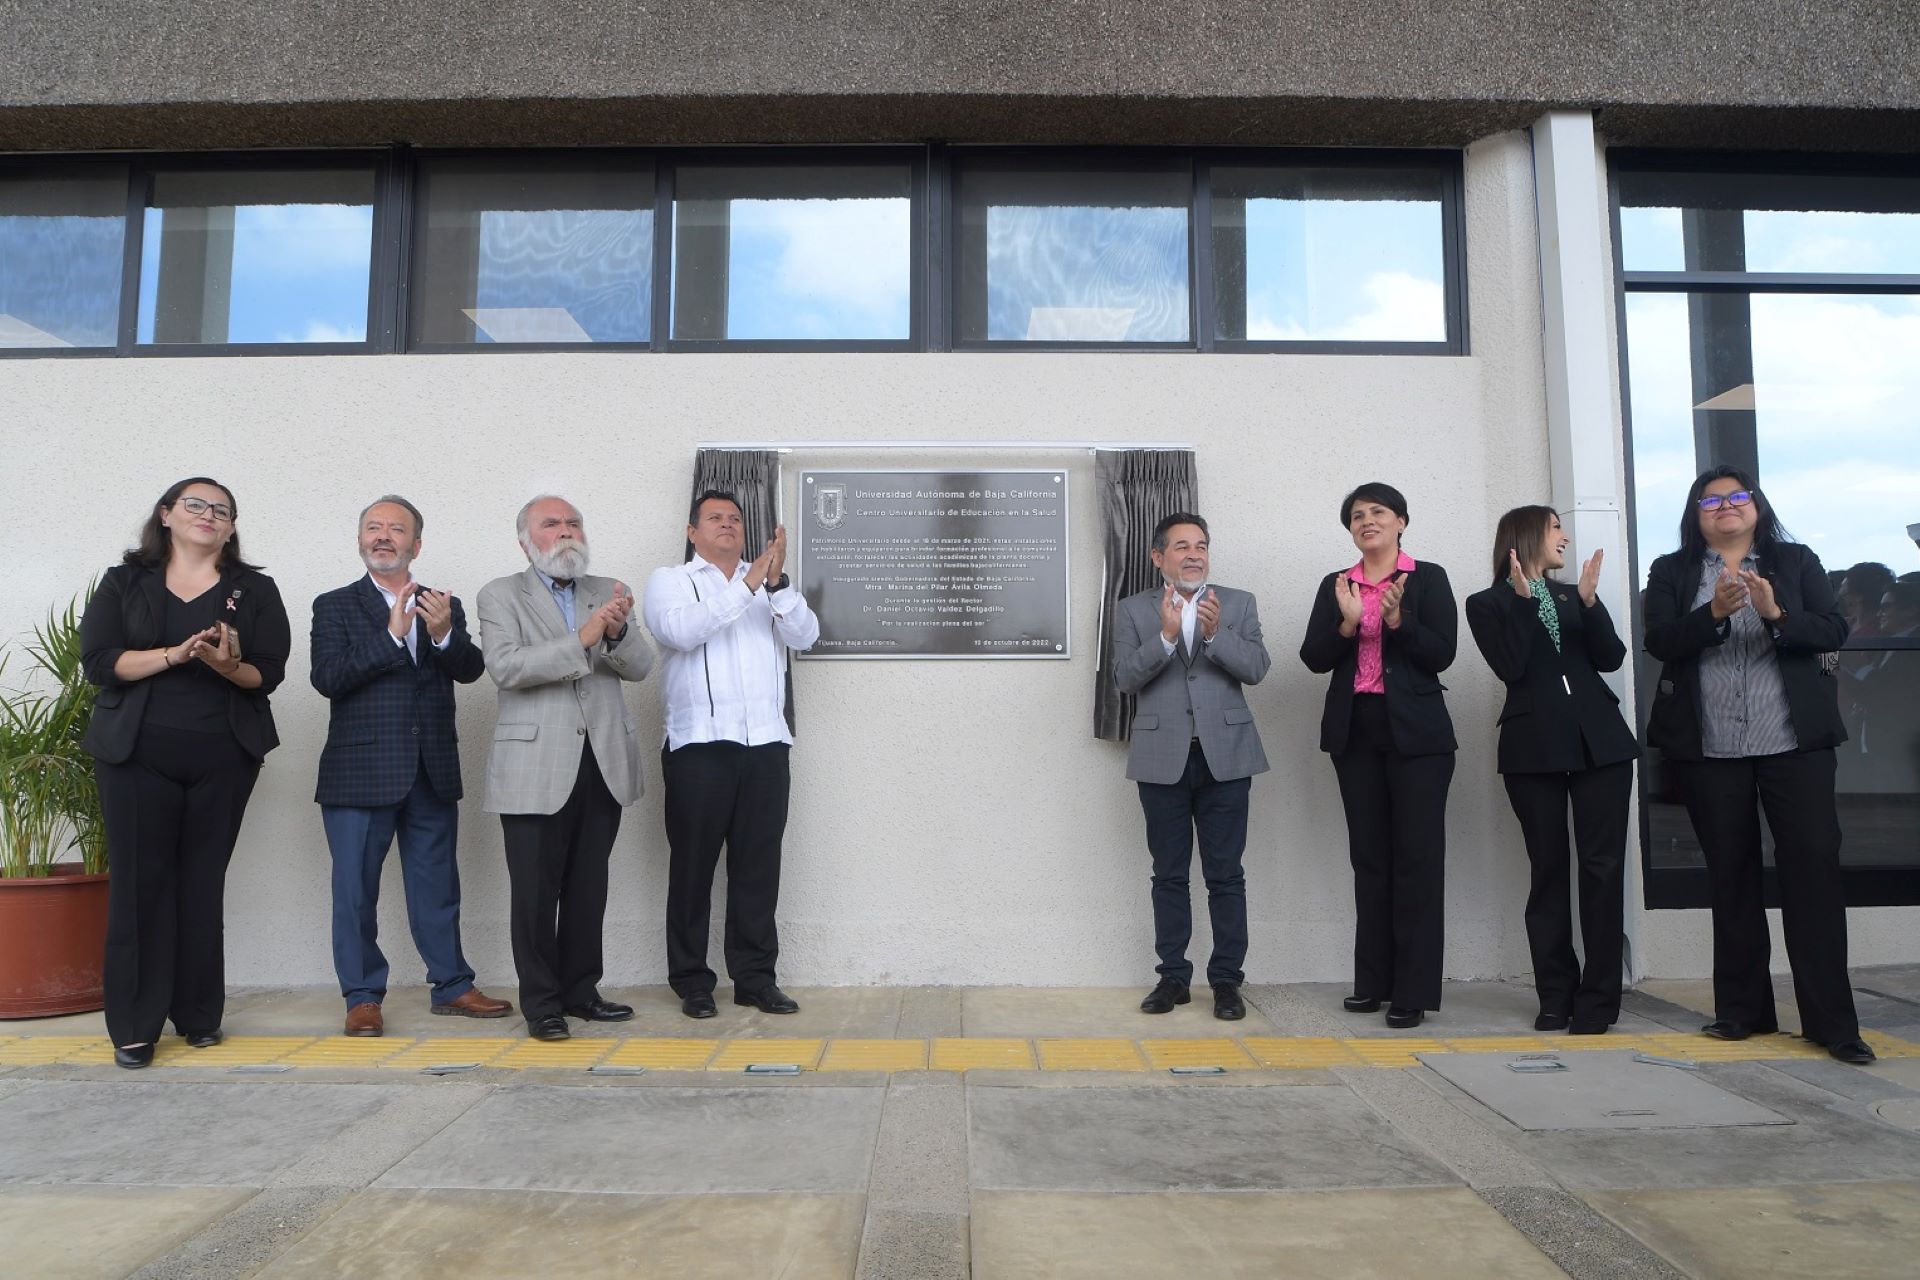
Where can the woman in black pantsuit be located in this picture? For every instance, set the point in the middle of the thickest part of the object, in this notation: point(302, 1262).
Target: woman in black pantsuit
point(1386, 629)
point(1563, 742)
point(185, 640)
point(1748, 716)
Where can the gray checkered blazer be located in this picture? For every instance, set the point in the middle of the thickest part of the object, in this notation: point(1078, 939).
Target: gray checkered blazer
point(555, 696)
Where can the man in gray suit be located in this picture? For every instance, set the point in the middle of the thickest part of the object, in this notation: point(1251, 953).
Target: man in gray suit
point(1187, 649)
point(559, 643)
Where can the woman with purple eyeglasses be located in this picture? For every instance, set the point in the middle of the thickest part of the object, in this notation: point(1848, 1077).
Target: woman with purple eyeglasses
point(1748, 718)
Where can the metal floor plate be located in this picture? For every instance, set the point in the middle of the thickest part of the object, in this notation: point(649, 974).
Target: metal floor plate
point(1597, 1091)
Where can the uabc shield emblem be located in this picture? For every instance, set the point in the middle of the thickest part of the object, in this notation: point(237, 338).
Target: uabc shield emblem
point(830, 505)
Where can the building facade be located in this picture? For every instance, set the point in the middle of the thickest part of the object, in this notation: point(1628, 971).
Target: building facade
point(1492, 256)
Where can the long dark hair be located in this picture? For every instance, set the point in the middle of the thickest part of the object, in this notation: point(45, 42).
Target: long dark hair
point(1522, 531)
point(156, 540)
point(1767, 529)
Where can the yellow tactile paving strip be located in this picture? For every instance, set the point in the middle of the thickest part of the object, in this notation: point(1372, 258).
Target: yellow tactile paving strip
point(1235, 1053)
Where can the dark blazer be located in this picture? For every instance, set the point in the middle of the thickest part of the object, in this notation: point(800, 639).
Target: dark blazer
point(1556, 699)
point(390, 714)
point(1678, 633)
point(1412, 657)
point(127, 612)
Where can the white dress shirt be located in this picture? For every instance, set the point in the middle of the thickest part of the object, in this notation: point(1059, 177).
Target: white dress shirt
point(725, 674)
point(413, 649)
point(1188, 613)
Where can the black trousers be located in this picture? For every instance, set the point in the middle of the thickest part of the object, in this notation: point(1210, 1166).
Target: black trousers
point(557, 872)
point(1598, 796)
point(1397, 839)
point(1216, 812)
point(724, 793)
point(172, 813)
point(1796, 789)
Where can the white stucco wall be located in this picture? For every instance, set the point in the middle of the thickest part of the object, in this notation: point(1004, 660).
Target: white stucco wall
point(952, 821)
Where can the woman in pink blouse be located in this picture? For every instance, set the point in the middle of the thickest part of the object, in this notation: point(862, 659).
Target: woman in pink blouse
point(1386, 628)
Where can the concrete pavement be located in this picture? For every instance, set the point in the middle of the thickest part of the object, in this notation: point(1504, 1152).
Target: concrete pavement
point(946, 1132)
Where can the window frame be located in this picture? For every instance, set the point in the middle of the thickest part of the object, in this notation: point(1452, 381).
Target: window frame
point(934, 306)
point(1688, 888)
point(635, 157)
point(140, 190)
point(1451, 167)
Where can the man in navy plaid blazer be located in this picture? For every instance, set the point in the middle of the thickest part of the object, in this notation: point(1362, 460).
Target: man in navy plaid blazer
point(386, 654)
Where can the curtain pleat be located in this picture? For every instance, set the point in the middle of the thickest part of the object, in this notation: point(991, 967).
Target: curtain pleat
point(752, 476)
point(1137, 488)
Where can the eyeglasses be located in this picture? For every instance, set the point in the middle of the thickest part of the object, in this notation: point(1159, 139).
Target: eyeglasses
point(201, 507)
point(1714, 501)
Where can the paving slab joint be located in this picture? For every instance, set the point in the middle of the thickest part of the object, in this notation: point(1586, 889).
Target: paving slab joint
point(253, 1235)
point(1579, 1239)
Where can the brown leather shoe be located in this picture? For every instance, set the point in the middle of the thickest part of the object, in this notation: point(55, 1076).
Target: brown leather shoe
point(475, 1003)
point(364, 1020)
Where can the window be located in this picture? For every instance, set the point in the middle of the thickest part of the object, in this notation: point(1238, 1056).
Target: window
point(544, 251)
point(897, 248)
point(62, 237)
point(803, 253)
point(1329, 254)
point(1050, 253)
point(252, 255)
point(1771, 324)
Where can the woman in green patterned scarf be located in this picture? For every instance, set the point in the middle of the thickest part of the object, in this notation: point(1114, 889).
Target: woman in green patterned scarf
point(1563, 742)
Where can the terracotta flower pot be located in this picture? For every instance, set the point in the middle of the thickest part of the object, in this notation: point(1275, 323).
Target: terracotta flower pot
point(53, 941)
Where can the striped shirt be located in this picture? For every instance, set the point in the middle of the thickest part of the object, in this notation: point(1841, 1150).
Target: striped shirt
point(1743, 702)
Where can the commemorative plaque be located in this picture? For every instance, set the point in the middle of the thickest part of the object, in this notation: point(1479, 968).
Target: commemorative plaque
point(935, 564)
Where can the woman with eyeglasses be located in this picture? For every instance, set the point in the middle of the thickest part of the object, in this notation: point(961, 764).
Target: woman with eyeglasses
point(1563, 744)
point(1748, 717)
point(1386, 629)
point(185, 640)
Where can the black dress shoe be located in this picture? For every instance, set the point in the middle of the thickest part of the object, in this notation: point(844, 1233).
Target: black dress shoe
point(1166, 993)
point(598, 1010)
point(1588, 1028)
point(767, 1000)
point(203, 1039)
point(1551, 1022)
point(551, 1027)
point(1727, 1029)
point(1400, 1019)
point(132, 1058)
point(1361, 1004)
point(1856, 1052)
point(699, 1004)
point(1227, 1004)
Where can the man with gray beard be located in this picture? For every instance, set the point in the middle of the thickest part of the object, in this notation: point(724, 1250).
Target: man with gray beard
point(558, 643)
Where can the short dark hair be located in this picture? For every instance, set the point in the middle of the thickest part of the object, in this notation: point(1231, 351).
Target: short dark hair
point(1374, 491)
point(708, 495)
point(394, 499)
point(1523, 531)
point(1869, 580)
point(1178, 517)
point(156, 540)
point(1766, 530)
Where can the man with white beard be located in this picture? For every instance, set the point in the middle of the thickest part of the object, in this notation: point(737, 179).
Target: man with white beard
point(558, 644)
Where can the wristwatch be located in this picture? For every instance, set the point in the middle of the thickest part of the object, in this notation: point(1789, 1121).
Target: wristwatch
point(781, 585)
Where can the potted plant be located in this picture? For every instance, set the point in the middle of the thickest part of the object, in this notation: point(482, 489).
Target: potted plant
point(53, 853)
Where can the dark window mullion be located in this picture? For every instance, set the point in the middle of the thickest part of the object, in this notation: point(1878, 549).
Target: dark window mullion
point(1200, 298)
point(1453, 254)
point(139, 184)
point(1765, 282)
point(659, 324)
